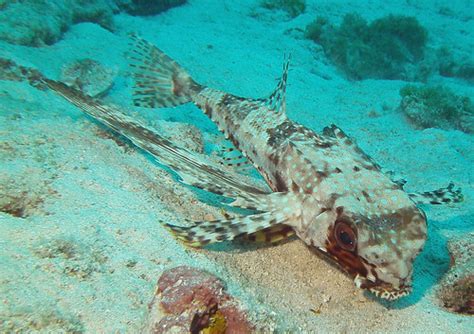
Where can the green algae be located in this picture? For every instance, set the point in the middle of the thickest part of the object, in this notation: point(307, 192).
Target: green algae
point(383, 49)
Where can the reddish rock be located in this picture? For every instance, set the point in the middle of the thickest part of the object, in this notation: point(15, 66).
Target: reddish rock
point(189, 300)
point(456, 290)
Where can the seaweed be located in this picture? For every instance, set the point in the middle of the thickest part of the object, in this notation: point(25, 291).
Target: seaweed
point(437, 106)
point(453, 67)
point(292, 7)
point(382, 49)
point(147, 7)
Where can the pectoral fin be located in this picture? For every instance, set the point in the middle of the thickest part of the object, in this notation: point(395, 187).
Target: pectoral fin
point(205, 232)
point(446, 195)
point(273, 211)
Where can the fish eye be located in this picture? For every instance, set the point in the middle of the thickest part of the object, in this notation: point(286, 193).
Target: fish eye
point(345, 236)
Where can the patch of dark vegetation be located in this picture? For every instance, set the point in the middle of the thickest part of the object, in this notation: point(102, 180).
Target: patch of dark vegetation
point(388, 48)
point(452, 67)
point(73, 258)
point(437, 107)
point(292, 7)
point(147, 7)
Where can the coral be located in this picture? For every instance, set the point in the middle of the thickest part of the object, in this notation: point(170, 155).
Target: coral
point(25, 22)
point(89, 76)
point(72, 257)
point(456, 291)
point(383, 49)
point(437, 107)
point(147, 7)
point(292, 7)
point(190, 300)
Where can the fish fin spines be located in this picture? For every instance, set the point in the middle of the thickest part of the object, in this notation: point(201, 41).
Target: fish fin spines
point(159, 80)
point(277, 99)
point(204, 232)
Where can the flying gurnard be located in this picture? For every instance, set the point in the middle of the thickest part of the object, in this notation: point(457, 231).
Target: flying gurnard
point(321, 187)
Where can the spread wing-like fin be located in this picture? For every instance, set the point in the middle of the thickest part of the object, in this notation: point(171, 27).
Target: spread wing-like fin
point(275, 209)
point(205, 232)
point(192, 168)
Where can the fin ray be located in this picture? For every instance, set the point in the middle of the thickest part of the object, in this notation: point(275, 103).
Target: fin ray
point(159, 80)
point(193, 169)
point(205, 232)
point(277, 99)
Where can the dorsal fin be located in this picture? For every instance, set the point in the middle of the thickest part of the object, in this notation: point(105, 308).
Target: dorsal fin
point(277, 100)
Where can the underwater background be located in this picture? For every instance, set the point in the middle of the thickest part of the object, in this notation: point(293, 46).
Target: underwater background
point(81, 244)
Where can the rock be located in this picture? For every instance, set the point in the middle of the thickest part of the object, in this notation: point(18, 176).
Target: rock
point(88, 76)
point(191, 300)
point(456, 291)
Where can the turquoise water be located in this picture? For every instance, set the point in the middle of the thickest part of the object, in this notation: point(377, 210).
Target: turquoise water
point(82, 210)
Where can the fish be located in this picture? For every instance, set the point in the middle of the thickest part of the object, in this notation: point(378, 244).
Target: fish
point(320, 187)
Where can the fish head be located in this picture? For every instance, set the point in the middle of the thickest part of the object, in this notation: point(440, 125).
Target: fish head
point(378, 250)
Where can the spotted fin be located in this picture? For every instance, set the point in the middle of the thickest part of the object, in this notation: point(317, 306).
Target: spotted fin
point(159, 80)
point(272, 234)
point(272, 210)
point(205, 232)
point(277, 100)
point(191, 167)
point(440, 196)
point(230, 156)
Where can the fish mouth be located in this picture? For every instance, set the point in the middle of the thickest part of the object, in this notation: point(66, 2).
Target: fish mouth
point(391, 293)
point(381, 289)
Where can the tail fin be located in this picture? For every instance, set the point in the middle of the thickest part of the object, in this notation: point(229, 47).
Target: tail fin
point(159, 80)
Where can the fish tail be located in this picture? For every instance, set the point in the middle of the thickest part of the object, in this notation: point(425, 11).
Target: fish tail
point(159, 80)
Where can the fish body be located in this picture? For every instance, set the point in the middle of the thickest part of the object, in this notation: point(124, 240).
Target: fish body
point(322, 187)
point(334, 196)
point(328, 182)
